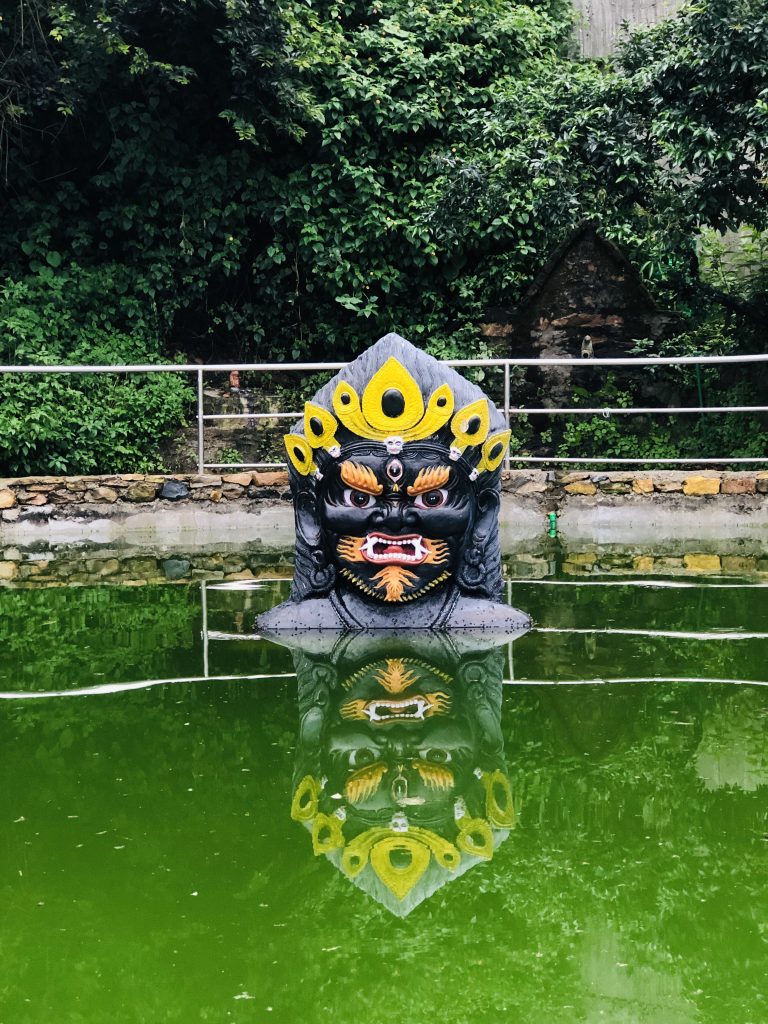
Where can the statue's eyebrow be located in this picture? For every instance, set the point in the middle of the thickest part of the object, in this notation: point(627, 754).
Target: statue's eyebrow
point(362, 478)
point(429, 479)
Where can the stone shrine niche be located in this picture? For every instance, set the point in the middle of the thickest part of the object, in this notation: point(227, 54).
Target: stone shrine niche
point(587, 289)
point(587, 301)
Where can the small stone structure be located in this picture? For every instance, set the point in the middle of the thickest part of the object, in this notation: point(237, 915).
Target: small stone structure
point(588, 299)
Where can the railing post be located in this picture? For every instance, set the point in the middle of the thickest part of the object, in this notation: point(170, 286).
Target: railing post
point(507, 461)
point(200, 455)
point(204, 613)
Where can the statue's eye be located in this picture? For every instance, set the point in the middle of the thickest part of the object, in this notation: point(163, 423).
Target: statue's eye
point(361, 757)
point(358, 499)
point(435, 755)
point(431, 499)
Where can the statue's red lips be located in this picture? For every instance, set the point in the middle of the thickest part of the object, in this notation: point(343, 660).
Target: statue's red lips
point(383, 549)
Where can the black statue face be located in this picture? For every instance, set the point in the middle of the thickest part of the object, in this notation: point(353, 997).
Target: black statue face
point(395, 473)
point(397, 522)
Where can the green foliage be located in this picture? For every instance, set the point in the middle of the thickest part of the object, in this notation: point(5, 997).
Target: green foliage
point(615, 436)
point(269, 172)
point(290, 181)
point(698, 88)
point(399, 87)
point(294, 179)
point(230, 455)
point(57, 423)
point(714, 435)
point(737, 263)
point(117, 150)
point(666, 138)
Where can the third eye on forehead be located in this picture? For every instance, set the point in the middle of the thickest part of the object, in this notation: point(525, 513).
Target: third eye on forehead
point(394, 470)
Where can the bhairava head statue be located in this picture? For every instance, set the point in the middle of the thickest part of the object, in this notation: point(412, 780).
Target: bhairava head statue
point(395, 473)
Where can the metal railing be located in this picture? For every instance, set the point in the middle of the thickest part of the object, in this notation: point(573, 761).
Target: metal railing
point(510, 411)
point(208, 635)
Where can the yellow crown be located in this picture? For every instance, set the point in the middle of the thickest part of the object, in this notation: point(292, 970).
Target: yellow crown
point(392, 410)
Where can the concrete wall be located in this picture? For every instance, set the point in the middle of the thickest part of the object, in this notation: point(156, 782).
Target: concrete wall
point(600, 20)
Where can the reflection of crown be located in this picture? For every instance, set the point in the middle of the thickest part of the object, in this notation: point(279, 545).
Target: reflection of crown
point(392, 410)
point(400, 854)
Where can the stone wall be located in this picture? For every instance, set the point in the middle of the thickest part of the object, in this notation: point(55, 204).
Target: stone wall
point(70, 566)
point(40, 499)
point(695, 484)
point(684, 560)
point(42, 566)
point(50, 497)
point(661, 523)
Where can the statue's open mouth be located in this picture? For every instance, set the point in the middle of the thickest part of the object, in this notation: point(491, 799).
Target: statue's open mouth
point(378, 712)
point(385, 550)
point(396, 710)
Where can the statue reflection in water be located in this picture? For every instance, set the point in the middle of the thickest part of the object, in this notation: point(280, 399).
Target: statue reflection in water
point(400, 776)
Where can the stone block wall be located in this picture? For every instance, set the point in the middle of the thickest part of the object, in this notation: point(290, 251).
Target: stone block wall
point(112, 566)
point(696, 483)
point(43, 566)
point(42, 499)
point(50, 497)
point(682, 560)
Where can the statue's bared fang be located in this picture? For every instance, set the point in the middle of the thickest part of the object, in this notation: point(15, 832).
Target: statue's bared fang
point(395, 476)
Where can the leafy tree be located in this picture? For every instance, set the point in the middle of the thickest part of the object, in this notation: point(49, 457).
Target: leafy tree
point(398, 88)
point(286, 180)
point(267, 170)
point(698, 86)
point(667, 138)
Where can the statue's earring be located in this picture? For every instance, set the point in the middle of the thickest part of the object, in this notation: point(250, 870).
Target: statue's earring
point(323, 573)
point(473, 570)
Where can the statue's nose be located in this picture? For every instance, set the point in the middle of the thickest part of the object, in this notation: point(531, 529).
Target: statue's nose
point(399, 741)
point(397, 517)
point(394, 520)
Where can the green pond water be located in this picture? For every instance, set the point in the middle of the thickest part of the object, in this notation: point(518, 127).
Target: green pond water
point(151, 870)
